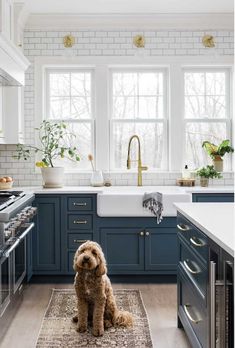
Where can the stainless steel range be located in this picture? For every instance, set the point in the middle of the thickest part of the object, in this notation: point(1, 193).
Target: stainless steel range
point(16, 222)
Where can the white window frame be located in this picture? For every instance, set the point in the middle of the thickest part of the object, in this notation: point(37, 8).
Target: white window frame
point(101, 67)
point(163, 121)
point(227, 120)
point(46, 109)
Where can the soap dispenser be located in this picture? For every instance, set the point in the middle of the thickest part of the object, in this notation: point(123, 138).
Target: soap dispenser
point(186, 172)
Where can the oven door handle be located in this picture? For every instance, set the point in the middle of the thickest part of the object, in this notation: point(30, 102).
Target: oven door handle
point(8, 251)
point(29, 226)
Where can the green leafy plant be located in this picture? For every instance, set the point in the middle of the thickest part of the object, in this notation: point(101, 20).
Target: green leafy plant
point(54, 139)
point(217, 150)
point(208, 172)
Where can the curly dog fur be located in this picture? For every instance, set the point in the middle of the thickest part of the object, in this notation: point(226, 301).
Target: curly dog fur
point(95, 297)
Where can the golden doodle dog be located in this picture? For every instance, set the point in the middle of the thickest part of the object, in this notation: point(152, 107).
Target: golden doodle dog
point(95, 297)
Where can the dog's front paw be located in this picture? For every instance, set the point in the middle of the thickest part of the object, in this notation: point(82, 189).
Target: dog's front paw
point(98, 331)
point(82, 328)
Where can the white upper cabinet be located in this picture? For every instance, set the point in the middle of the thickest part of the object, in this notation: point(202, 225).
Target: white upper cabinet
point(6, 19)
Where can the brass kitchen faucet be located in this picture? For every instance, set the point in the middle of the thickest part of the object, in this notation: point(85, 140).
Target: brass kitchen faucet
point(140, 167)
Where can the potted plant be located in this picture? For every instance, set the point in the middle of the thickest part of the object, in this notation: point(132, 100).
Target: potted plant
point(54, 140)
point(216, 152)
point(206, 173)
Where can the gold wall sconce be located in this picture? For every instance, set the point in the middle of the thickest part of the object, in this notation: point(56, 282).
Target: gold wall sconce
point(69, 41)
point(139, 41)
point(208, 41)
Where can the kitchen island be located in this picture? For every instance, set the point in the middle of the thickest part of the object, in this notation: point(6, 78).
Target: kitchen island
point(205, 273)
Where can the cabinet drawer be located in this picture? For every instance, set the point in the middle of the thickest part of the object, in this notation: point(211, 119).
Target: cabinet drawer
point(79, 203)
point(80, 222)
point(191, 264)
point(193, 236)
point(192, 312)
point(76, 239)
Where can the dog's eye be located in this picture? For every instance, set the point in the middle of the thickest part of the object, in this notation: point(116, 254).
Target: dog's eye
point(94, 252)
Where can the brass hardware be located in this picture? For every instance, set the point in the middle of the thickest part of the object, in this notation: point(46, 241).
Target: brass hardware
point(183, 227)
point(79, 240)
point(208, 41)
point(189, 268)
point(194, 242)
point(83, 204)
point(139, 41)
point(140, 167)
point(195, 321)
point(141, 233)
point(80, 222)
point(69, 41)
point(147, 233)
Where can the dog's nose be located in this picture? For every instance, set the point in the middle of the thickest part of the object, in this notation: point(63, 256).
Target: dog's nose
point(86, 258)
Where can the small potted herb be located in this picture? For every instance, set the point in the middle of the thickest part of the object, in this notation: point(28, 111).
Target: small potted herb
point(54, 139)
point(216, 152)
point(206, 173)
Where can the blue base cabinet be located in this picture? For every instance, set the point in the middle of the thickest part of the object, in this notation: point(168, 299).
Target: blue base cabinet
point(213, 197)
point(139, 245)
point(47, 237)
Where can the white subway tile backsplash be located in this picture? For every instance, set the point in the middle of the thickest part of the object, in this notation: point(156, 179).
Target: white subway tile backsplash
point(104, 43)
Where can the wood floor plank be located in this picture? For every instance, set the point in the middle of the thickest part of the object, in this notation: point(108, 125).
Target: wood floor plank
point(159, 300)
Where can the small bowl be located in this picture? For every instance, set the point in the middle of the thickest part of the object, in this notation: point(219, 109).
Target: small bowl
point(6, 185)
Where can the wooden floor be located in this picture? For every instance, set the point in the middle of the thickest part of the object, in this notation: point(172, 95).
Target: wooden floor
point(159, 300)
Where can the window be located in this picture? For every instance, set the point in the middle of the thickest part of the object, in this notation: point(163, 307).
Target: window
point(138, 102)
point(69, 98)
point(206, 112)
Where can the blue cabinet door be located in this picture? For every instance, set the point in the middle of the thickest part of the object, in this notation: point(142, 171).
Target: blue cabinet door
point(46, 239)
point(213, 197)
point(123, 249)
point(161, 250)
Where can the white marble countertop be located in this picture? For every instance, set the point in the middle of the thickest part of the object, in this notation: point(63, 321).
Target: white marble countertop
point(216, 220)
point(130, 189)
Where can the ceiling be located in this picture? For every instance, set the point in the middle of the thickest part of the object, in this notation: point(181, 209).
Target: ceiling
point(128, 6)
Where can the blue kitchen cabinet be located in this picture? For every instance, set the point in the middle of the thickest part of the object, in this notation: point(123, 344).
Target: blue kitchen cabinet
point(47, 237)
point(123, 249)
point(213, 197)
point(139, 245)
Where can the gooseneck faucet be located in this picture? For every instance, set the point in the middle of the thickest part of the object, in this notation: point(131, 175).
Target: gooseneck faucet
point(140, 167)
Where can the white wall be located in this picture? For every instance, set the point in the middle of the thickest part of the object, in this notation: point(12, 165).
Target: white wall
point(39, 43)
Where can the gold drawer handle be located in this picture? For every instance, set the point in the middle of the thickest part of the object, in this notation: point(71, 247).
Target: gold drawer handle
point(194, 242)
point(82, 204)
point(183, 227)
point(80, 222)
point(190, 269)
point(195, 321)
point(79, 240)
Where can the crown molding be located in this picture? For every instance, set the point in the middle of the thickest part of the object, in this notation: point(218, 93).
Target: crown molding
point(205, 21)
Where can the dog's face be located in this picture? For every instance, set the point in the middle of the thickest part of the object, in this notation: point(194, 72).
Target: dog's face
point(89, 256)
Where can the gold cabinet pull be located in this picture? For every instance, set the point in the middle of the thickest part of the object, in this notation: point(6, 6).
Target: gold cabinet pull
point(142, 233)
point(183, 227)
point(80, 222)
point(79, 240)
point(79, 204)
point(147, 233)
point(195, 241)
point(190, 269)
point(195, 321)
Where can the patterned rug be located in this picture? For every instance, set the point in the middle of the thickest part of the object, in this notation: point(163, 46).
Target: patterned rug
point(58, 331)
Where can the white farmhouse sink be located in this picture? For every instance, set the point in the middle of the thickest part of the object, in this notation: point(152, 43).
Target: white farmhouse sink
point(127, 201)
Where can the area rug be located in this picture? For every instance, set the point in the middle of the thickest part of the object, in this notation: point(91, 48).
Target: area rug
point(59, 331)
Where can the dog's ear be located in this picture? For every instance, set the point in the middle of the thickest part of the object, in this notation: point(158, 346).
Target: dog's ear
point(75, 266)
point(101, 268)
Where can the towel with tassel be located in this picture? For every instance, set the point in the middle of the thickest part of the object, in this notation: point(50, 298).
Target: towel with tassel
point(153, 202)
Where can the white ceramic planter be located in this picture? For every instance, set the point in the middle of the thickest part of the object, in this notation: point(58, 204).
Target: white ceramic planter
point(53, 177)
